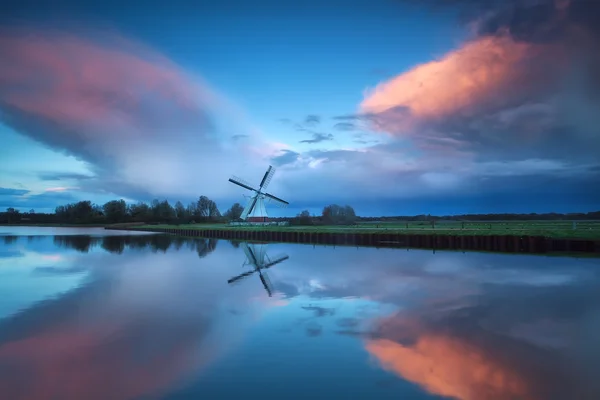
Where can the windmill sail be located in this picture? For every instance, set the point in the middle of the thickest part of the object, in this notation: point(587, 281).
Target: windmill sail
point(277, 200)
point(255, 207)
point(256, 257)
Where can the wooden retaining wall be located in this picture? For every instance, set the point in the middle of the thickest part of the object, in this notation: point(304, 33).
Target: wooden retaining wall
point(495, 243)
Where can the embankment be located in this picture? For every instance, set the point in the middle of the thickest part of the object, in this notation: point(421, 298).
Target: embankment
point(494, 243)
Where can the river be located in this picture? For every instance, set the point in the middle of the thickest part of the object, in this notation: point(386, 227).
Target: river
point(92, 314)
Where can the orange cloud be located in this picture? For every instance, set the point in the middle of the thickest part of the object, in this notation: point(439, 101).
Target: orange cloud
point(449, 367)
point(485, 73)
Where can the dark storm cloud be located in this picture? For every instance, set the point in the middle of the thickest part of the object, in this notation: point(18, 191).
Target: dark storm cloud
point(318, 138)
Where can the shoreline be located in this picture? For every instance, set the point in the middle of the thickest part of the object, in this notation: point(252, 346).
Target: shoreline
point(506, 243)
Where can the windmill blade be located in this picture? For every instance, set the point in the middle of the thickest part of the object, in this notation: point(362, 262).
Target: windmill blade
point(275, 262)
point(267, 178)
point(246, 250)
point(266, 283)
point(240, 276)
point(253, 258)
point(277, 200)
point(249, 207)
point(260, 253)
point(241, 183)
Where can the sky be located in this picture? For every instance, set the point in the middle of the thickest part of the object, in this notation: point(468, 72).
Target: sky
point(395, 107)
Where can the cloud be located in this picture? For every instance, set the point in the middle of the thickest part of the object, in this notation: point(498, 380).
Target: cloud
point(12, 192)
point(344, 126)
point(505, 92)
point(286, 157)
point(60, 189)
point(312, 120)
point(318, 138)
point(516, 98)
point(238, 137)
point(59, 176)
point(140, 121)
point(43, 201)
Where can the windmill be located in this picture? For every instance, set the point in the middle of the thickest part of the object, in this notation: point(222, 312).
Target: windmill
point(256, 256)
point(255, 207)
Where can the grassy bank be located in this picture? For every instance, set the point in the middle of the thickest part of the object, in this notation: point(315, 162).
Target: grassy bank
point(551, 229)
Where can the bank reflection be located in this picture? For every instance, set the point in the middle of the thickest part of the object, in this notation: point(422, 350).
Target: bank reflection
point(118, 244)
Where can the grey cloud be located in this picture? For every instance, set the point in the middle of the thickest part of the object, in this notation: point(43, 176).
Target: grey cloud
point(344, 126)
point(46, 201)
point(12, 192)
point(319, 311)
point(314, 330)
point(238, 137)
point(318, 138)
point(287, 157)
point(312, 120)
point(59, 176)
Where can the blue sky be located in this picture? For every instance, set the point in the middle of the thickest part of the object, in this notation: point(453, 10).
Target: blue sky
point(392, 107)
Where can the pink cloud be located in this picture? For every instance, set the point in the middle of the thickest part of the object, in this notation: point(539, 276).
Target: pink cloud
point(60, 189)
point(485, 74)
point(141, 121)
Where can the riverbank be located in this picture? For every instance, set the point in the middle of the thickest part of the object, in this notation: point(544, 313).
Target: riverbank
point(380, 237)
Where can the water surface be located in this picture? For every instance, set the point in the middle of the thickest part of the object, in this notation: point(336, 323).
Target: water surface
point(87, 314)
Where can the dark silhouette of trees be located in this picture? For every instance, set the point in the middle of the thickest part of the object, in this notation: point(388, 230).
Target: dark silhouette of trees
point(234, 212)
point(339, 215)
point(205, 210)
point(118, 211)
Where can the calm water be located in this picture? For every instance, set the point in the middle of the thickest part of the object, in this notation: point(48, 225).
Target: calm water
point(149, 316)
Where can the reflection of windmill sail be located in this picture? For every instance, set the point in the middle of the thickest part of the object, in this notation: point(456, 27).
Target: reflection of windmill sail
point(255, 207)
point(256, 257)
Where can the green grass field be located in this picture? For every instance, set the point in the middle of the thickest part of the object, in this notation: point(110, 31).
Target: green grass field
point(553, 229)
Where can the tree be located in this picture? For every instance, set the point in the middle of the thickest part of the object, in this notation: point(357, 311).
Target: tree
point(115, 211)
point(180, 211)
point(303, 218)
point(235, 212)
point(206, 209)
point(336, 214)
point(140, 212)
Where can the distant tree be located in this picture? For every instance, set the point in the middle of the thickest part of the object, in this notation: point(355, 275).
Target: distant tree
point(180, 211)
point(234, 212)
point(206, 209)
point(140, 212)
point(115, 211)
point(165, 211)
point(304, 218)
point(336, 214)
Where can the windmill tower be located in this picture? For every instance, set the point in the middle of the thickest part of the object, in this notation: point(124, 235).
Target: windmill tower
point(256, 256)
point(255, 210)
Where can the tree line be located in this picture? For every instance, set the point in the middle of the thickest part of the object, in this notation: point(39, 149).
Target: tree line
point(205, 210)
point(118, 211)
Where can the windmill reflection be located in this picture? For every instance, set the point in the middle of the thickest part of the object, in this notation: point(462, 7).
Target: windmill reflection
point(257, 257)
